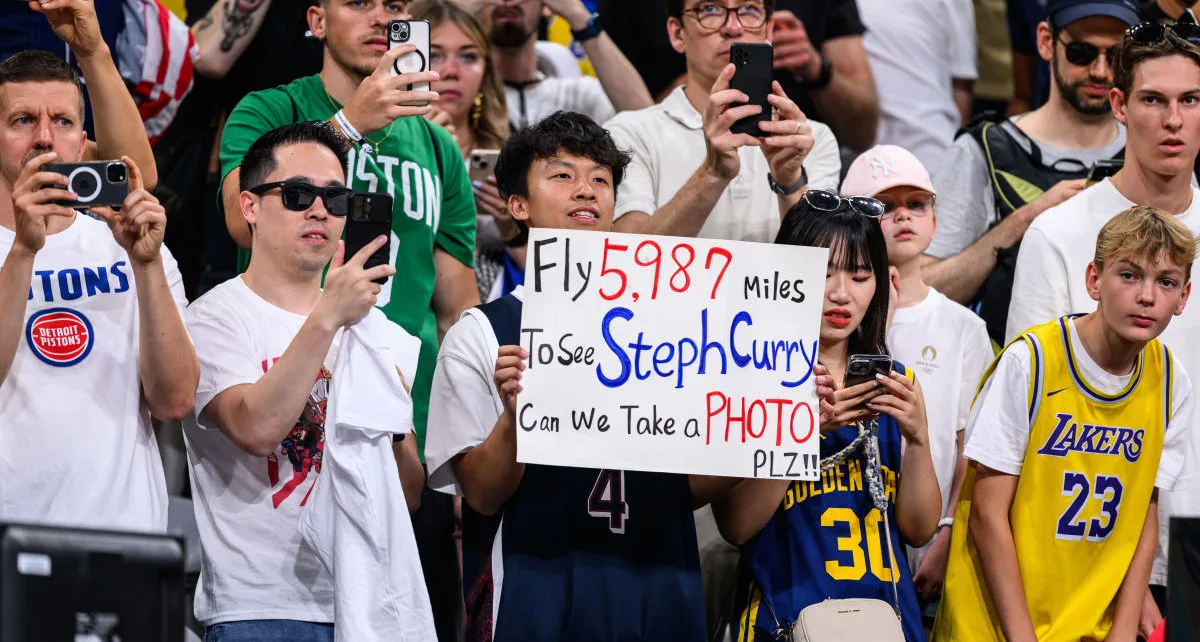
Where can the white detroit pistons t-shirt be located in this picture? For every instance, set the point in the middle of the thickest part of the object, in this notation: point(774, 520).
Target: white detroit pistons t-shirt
point(76, 443)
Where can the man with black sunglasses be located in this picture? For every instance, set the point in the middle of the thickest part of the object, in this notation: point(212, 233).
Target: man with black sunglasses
point(998, 177)
point(267, 341)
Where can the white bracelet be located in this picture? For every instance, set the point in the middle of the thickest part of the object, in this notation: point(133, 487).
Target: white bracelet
point(946, 521)
point(347, 128)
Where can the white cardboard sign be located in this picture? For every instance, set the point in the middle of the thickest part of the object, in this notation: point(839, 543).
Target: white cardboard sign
point(670, 355)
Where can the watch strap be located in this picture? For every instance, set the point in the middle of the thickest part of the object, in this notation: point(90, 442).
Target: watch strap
point(592, 30)
point(788, 190)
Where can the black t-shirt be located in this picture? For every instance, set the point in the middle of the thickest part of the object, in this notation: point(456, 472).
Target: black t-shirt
point(823, 20)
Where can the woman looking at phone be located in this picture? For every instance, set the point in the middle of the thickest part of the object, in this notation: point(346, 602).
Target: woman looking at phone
point(471, 107)
point(805, 542)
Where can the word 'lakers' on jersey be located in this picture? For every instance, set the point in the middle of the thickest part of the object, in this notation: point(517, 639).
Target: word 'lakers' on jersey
point(1085, 486)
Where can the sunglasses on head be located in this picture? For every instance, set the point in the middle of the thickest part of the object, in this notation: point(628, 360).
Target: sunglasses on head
point(1082, 54)
point(1151, 33)
point(299, 196)
point(826, 201)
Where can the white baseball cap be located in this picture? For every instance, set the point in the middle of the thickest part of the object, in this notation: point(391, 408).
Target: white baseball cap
point(883, 167)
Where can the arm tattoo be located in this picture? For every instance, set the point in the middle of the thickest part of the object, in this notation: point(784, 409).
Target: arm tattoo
point(238, 21)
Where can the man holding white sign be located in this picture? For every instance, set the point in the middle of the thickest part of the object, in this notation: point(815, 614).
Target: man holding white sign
point(580, 554)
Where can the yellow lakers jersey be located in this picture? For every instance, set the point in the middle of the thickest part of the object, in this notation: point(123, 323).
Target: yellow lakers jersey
point(1081, 500)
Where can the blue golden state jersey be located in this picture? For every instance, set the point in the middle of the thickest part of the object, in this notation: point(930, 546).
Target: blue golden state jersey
point(1080, 506)
point(582, 555)
point(826, 541)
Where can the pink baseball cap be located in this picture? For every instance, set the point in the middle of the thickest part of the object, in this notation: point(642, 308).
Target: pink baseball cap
point(884, 167)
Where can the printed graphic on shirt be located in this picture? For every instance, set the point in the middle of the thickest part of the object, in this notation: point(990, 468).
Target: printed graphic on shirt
point(928, 363)
point(60, 336)
point(304, 446)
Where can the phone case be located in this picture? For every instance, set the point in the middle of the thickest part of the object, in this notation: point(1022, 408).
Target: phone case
point(752, 76)
point(370, 216)
point(482, 164)
point(415, 32)
point(862, 368)
point(96, 183)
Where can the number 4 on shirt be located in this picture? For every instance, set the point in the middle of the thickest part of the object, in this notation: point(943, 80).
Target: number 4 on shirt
point(608, 500)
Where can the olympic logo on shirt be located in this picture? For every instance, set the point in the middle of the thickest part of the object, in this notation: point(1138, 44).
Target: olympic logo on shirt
point(59, 336)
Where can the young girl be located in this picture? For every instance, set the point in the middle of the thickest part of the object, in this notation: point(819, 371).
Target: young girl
point(804, 542)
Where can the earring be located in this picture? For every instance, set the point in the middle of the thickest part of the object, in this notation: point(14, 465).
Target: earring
point(477, 110)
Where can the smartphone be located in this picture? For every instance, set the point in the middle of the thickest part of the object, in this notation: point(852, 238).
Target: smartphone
point(370, 216)
point(1104, 168)
point(411, 32)
point(96, 183)
point(482, 163)
point(752, 76)
point(863, 367)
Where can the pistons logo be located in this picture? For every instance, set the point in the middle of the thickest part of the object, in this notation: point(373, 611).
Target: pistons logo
point(59, 337)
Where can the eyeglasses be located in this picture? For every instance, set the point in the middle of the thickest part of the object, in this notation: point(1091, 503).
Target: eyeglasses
point(298, 196)
point(714, 16)
point(1082, 54)
point(825, 201)
point(1151, 33)
point(918, 204)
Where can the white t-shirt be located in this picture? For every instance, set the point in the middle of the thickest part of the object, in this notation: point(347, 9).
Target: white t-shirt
point(255, 565)
point(916, 47)
point(463, 402)
point(998, 428)
point(76, 443)
point(948, 348)
point(667, 141)
point(583, 95)
point(1049, 283)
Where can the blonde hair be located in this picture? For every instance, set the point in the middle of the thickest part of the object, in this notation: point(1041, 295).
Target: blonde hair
point(492, 129)
point(1145, 232)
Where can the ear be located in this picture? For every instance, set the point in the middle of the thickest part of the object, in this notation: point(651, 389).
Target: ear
point(1116, 100)
point(249, 204)
point(1092, 281)
point(675, 34)
point(83, 147)
point(1045, 41)
point(518, 208)
point(1187, 291)
point(316, 21)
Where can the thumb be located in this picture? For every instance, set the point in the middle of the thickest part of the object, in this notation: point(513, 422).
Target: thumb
point(389, 58)
point(339, 256)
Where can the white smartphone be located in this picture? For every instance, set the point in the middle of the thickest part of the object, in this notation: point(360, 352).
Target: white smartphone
point(410, 32)
point(482, 163)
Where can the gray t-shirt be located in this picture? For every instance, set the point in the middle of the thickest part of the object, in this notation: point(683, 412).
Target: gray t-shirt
point(966, 205)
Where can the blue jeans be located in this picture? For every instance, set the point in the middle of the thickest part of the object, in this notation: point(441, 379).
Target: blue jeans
point(269, 631)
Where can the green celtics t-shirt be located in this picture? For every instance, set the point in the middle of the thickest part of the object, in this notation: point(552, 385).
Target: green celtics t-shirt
point(432, 208)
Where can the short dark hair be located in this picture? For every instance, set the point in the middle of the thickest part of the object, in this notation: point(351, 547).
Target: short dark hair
point(675, 8)
point(260, 158)
point(1131, 54)
point(40, 66)
point(562, 131)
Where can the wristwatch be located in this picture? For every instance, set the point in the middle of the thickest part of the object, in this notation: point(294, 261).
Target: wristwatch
point(788, 190)
point(823, 79)
point(590, 31)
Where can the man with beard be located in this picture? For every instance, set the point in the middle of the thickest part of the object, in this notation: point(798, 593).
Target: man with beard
point(999, 176)
point(512, 26)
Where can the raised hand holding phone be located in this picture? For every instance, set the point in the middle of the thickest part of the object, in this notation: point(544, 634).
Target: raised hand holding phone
point(142, 221)
point(350, 289)
point(384, 96)
point(35, 199)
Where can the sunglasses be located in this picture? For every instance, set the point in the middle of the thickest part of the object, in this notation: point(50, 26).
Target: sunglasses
point(918, 204)
point(298, 196)
point(1082, 54)
point(1151, 33)
point(826, 201)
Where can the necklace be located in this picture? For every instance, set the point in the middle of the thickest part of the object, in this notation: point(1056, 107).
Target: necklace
point(367, 145)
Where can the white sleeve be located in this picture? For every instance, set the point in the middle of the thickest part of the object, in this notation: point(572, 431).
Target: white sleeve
point(463, 402)
point(636, 193)
point(1040, 290)
point(1173, 474)
point(962, 40)
point(998, 428)
point(223, 346)
point(592, 101)
point(977, 356)
point(823, 165)
point(965, 203)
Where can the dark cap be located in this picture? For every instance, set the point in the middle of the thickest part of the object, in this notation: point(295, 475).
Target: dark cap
point(1063, 12)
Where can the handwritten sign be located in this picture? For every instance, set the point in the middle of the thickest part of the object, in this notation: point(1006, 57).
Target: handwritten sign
point(670, 355)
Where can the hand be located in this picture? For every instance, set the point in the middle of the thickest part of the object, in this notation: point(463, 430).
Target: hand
point(350, 291)
point(1150, 616)
point(1061, 191)
point(378, 100)
point(142, 221)
point(438, 116)
point(849, 404)
point(32, 193)
point(74, 21)
point(722, 145)
point(902, 401)
point(510, 363)
point(931, 572)
point(825, 389)
point(573, 11)
point(792, 140)
point(793, 50)
point(488, 201)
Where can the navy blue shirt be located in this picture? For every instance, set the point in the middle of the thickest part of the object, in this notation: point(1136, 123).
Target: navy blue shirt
point(22, 28)
point(1023, 19)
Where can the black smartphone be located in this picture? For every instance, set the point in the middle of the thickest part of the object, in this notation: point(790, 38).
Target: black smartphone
point(96, 183)
point(752, 76)
point(370, 216)
point(863, 367)
point(1104, 168)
